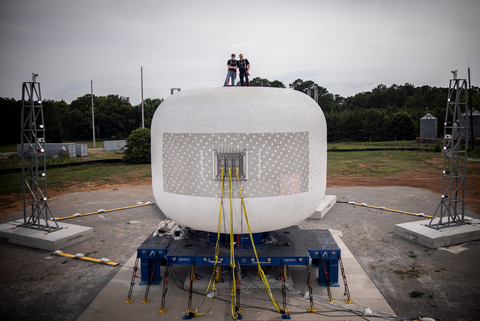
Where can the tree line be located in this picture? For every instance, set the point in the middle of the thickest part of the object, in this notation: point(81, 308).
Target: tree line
point(115, 118)
point(384, 113)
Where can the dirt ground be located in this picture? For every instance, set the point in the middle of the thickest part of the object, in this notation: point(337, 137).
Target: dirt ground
point(426, 179)
point(14, 202)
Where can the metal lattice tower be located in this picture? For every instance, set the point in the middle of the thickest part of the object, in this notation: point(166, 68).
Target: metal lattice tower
point(451, 209)
point(33, 161)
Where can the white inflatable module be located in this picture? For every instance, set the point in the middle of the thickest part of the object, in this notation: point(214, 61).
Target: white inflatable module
point(277, 137)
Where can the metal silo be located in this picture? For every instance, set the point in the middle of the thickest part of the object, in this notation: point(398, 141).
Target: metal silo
point(476, 124)
point(428, 127)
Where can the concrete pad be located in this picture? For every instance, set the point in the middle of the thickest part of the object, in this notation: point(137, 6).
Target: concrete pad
point(109, 304)
point(432, 238)
point(362, 289)
point(326, 205)
point(68, 235)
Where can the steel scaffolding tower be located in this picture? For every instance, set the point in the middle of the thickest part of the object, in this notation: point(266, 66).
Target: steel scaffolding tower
point(451, 209)
point(33, 161)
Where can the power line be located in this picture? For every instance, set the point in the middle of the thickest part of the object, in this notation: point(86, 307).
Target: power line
point(131, 72)
point(124, 87)
point(136, 71)
point(164, 73)
point(136, 87)
point(128, 85)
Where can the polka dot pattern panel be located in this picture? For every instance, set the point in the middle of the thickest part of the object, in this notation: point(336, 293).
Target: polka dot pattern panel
point(273, 159)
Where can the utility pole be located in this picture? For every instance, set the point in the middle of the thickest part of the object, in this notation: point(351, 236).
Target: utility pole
point(143, 118)
point(93, 116)
point(471, 111)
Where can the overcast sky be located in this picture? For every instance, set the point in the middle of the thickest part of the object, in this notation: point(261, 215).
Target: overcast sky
point(345, 46)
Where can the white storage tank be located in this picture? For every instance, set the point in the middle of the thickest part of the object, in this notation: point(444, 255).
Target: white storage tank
point(277, 135)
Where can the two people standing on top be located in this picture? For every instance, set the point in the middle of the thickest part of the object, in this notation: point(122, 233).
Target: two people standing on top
point(243, 65)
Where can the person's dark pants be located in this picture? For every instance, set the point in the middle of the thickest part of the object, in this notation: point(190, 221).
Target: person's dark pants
point(241, 78)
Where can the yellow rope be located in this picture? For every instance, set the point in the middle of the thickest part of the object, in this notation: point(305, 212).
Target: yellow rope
point(392, 210)
point(217, 247)
point(233, 294)
point(86, 258)
point(262, 274)
point(100, 212)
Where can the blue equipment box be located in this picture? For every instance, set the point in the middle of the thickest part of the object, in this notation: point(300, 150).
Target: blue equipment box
point(290, 246)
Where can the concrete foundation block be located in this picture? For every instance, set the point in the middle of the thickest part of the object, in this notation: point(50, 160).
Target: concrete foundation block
point(325, 206)
point(69, 234)
point(432, 238)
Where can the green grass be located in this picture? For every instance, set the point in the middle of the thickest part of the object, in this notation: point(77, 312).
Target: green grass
point(382, 163)
point(364, 145)
point(361, 163)
point(8, 148)
point(101, 155)
point(414, 272)
point(337, 146)
point(91, 173)
point(62, 178)
point(474, 153)
point(378, 163)
point(90, 253)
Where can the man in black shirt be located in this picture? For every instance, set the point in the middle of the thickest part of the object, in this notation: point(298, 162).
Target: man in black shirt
point(244, 67)
point(232, 71)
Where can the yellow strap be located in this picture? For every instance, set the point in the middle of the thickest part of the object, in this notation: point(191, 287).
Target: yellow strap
point(86, 258)
point(233, 293)
point(106, 211)
point(262, 274)
point(392, 210)
point(217, 246)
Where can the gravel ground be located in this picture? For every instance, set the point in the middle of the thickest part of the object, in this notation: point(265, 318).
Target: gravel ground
point(38, 286)
point(447, 277)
